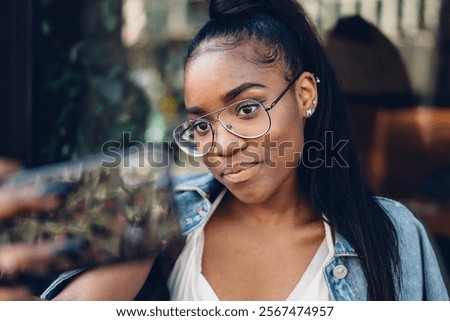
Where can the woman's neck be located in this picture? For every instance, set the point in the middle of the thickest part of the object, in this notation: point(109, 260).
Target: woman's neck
point(286, 207)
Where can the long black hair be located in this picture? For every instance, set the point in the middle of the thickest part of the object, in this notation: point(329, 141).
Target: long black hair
point(339, 191)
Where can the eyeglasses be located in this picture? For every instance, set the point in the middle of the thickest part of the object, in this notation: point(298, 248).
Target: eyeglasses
point(246, 119)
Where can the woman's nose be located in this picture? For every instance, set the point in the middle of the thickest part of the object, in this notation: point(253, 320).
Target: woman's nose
point(225, 143)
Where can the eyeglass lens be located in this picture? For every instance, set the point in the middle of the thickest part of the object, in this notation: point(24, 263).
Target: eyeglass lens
point(246, 119)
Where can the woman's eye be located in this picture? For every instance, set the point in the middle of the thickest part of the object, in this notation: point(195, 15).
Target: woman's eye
point(247, 109)
point(201, 127)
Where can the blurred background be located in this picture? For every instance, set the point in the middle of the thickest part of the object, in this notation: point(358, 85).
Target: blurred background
point(76, 74)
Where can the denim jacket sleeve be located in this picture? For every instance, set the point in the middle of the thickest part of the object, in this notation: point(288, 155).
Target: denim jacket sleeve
point(421, 275)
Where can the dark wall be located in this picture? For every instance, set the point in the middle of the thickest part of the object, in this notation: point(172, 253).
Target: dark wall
point(443, 75)
point(65, 80)
point(37, 78)
point(16, 130)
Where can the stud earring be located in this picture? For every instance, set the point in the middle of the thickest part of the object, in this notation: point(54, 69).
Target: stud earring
point(310, 112)
point(316, 79)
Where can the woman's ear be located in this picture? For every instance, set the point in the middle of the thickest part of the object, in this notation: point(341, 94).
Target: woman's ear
point(306, 94)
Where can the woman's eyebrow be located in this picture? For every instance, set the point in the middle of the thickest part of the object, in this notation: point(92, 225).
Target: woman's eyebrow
point(197, 111)
point(233, 93)
point(229, 96)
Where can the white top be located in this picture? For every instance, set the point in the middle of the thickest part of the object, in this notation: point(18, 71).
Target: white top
point(187, 283)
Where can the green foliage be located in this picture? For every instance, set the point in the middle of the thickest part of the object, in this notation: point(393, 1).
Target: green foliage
point(83, 97)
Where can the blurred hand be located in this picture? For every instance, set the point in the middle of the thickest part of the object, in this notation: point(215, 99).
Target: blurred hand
point(20, 257)
point(16, 201)
point(15, 294)
point(24, 261)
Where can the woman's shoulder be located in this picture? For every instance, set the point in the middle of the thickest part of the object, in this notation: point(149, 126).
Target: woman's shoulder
point(405, 221)
point(413, 238)
point(397, 211)
point(417, 254)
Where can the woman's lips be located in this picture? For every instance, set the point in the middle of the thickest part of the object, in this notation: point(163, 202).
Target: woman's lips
point(237, 172)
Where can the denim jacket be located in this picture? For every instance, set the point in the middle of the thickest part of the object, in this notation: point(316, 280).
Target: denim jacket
point(421, 278)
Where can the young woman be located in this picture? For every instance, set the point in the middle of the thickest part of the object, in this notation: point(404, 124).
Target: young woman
point(285, 213)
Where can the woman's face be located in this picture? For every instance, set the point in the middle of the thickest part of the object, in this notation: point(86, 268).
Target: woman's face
point(252, 169)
